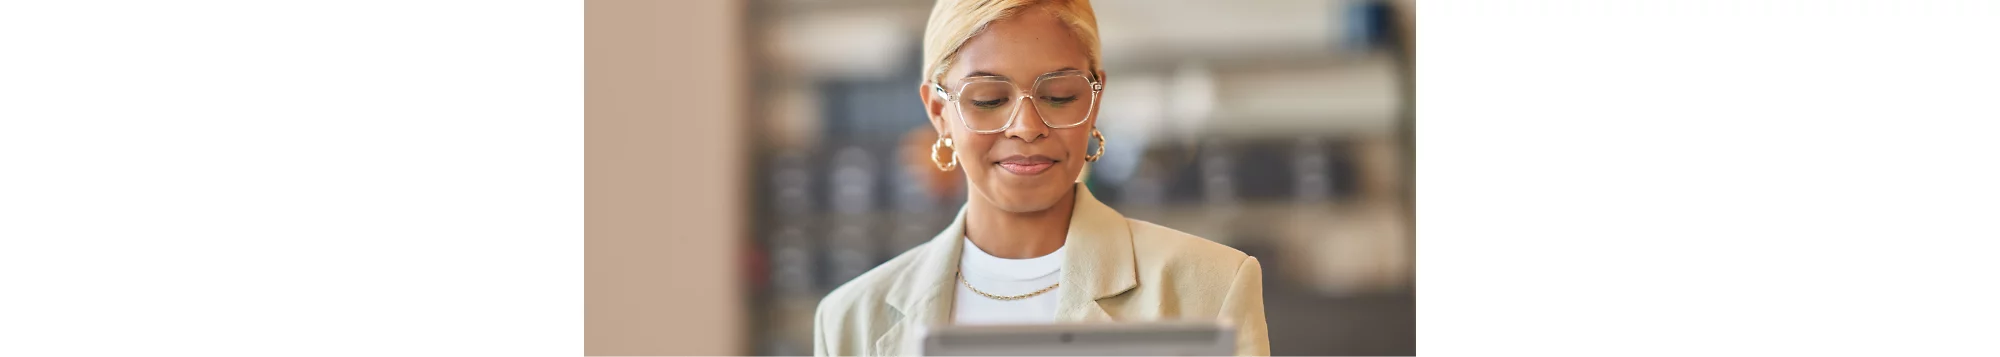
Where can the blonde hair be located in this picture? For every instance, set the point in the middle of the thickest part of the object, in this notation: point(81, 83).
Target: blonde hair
point(955, 21)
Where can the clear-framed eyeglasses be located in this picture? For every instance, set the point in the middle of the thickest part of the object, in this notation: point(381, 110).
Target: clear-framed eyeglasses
point(1063, 99)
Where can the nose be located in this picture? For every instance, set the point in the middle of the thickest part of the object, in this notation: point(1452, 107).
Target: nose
point(1028, 123)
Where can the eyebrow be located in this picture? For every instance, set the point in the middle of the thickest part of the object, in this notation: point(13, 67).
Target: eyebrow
point(980, 73)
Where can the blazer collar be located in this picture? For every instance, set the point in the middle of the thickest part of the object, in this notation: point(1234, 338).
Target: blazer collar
point(1099, 264)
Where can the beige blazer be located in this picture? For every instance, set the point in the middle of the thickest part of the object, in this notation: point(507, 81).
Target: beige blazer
point(1117, 269)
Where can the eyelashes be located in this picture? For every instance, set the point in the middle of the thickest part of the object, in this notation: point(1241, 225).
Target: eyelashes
point(989, 104)
point(996, 103)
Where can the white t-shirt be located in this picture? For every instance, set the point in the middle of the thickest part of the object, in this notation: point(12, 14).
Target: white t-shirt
point(1006, 277)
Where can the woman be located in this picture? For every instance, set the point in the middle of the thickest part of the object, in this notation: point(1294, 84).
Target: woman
point(1011, 87)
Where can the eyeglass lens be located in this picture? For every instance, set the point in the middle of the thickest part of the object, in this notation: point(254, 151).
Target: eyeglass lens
point(1061, 101)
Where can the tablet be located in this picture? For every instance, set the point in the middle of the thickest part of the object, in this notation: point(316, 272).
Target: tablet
point(1085, 339)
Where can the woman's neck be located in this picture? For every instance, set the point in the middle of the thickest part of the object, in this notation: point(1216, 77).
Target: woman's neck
point(1018, 235)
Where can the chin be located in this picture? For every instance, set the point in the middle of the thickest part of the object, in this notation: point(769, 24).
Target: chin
point(1030, 196)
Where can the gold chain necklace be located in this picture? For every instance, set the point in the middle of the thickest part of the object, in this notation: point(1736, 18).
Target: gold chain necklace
point(968, 285)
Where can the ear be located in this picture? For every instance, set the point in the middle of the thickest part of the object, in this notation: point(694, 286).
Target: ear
point(934, 108)
point(1103, 81)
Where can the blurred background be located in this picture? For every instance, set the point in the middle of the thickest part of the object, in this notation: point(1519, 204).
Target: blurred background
point(744, 158)
point(1278, 127)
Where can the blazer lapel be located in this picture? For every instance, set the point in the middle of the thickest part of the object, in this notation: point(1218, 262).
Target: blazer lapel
point(922, 296)
point(1100, 263)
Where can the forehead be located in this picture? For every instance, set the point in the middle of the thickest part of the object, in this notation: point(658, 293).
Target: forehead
point(1021, 47)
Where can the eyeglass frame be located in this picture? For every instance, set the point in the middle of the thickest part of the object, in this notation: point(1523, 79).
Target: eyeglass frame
point(1096, 89)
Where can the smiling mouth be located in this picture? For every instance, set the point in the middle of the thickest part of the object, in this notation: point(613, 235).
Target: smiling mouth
point(1026, 165)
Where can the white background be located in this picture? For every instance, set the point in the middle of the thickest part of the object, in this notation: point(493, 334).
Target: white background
point(272, 178)
point(1708, 178)
point(404, 177)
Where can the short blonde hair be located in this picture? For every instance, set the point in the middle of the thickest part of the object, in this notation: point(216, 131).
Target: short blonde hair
point(955, 21)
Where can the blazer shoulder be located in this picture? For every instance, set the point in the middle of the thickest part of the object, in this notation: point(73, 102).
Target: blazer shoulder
point(1159, 242)
point(868, 292)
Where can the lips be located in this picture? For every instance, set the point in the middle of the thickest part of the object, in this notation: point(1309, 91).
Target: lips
point(1026, 165)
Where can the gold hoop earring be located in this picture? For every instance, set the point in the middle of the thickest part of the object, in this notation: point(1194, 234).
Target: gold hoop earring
point(1100, 146)
point(942, 165)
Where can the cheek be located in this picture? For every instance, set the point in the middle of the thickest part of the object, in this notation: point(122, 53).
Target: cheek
point(1077, 144)
point(972, 152)
point(1078, 150)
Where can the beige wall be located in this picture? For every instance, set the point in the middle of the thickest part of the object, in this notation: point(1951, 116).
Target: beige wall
point(664, 151)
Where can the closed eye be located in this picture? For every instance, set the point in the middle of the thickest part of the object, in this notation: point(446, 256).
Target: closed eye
point(989, 104)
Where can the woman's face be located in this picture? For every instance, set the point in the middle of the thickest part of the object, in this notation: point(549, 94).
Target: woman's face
point(1030, 166)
